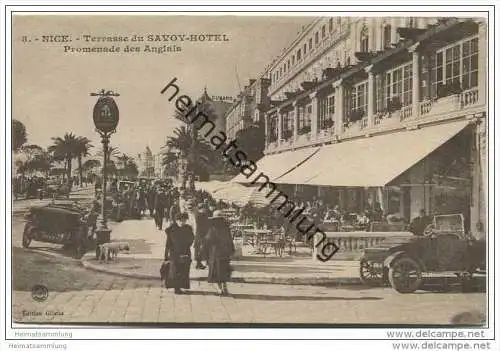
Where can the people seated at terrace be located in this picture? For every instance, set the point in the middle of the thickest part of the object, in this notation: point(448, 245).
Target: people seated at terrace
point(329, 215)
point(337, 212)
point(363, 220)
point(377, 213)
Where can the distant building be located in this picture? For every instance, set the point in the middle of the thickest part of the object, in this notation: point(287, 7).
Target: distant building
point(159, 169)
point(247, 109)
point(145, 163)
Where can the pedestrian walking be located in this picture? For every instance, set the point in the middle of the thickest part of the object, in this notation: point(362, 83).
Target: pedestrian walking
point(200, 233)
point(151, 200)
point(174, 209)
point(159, 205)
point(180, 237)
point(220, 249)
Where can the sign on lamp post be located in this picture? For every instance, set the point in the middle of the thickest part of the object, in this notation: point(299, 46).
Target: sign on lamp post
point(106, 117)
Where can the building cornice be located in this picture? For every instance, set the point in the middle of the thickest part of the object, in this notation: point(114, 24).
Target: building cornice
point(382, 56)
point(301, 36)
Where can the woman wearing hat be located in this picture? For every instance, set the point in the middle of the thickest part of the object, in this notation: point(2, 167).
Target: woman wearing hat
point(220, 248)
point(180, 237)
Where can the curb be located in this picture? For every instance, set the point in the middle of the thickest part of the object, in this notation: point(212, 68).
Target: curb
point(322, 281)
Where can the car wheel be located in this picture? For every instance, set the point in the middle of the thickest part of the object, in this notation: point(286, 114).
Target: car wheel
point(26, 238)
point(371, 273)
point(405, 274)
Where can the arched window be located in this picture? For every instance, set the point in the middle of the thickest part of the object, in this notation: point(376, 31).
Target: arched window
point(363, 43)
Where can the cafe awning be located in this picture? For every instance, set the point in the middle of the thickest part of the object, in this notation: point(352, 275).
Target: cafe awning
point(242, 195)
point(277, 165)
point(373, 161)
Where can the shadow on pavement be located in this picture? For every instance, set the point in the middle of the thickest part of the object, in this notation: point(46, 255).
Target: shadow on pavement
point(264, 297)
point(300, 298)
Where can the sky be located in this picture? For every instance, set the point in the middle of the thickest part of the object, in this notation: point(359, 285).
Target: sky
point(50, 90)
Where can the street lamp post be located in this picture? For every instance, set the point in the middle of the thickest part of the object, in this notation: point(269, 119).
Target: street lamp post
point(106, 117)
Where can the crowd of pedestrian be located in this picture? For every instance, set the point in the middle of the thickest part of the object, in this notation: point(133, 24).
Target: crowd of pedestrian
point(191, 221)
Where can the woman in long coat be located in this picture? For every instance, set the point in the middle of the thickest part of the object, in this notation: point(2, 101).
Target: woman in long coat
point(180, 237)
point(220, 249)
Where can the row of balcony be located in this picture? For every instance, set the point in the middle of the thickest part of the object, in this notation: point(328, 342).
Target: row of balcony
point(426, 111)
point(311, 55)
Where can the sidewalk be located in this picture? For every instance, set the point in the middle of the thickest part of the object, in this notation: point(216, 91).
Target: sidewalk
point(147, 246)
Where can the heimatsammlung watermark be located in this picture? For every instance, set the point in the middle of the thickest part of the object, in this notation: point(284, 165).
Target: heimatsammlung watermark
point(193, 114)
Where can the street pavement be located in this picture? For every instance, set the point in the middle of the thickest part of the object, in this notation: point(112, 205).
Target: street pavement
point(76, 294)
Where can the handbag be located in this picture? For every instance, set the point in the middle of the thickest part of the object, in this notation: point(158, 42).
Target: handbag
point(164, 269)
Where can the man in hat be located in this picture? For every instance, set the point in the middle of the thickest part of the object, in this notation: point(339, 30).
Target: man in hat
point(159, 208)
point(200, 231)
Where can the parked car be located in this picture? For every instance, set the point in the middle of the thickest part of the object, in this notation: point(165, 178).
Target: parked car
point(60, 223)
point(402, 259)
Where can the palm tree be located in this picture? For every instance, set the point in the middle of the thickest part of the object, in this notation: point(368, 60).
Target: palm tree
point(113, 152)
point(126, 166)
point(195, 151)
point(83, 146)
point(123, 159)
point(41, 162)
point(65, 149)
point(89, 164)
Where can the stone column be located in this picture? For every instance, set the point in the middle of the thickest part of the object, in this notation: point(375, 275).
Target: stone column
point(415, 80)
point(295, 120)
point(394, 26)
point(280, 131)
point(339, 106)
point(371, 96)
point(482, 62)
point(379, 30)
point(314, 115)
point(373, 25)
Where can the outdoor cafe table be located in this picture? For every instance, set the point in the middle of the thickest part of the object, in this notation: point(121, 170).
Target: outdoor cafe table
point(256, 236)
point(237, 228)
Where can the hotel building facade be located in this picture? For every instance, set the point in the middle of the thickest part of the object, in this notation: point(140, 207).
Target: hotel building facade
point(248, 107)
point(383, 110)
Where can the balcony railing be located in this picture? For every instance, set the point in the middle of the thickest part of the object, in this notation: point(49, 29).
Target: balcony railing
point(425, 107)
point(469, 97)
point(364, 123)
point(427, 111)
point(406, 112)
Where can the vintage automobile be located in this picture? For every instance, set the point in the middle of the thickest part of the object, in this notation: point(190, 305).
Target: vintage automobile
point(60, 223)
point(402, 259)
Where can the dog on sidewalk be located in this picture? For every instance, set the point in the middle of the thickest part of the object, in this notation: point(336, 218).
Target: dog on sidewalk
point(110, 251)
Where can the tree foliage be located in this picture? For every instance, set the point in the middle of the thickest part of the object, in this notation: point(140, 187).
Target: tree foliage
point(19, 135)
point(251, 141)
